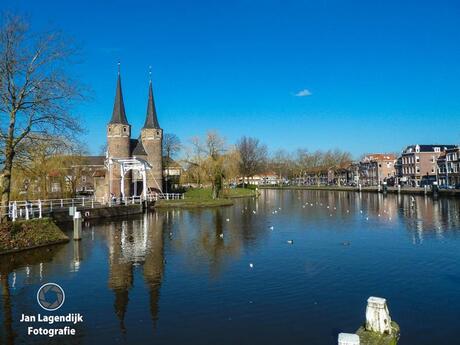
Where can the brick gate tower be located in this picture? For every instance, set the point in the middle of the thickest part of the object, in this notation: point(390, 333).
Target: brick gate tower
point(152, 138)
point(118, 143)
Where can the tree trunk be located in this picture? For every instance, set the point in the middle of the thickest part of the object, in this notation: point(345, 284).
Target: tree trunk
point(7, 168)
point(217, 186)
point(6, 184)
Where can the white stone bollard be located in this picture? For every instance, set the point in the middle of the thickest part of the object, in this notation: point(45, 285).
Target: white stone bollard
point(377, 316)
point(348, 339)
point(77, 226)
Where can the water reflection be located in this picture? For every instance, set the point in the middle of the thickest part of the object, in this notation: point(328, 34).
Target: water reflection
point(133, 243)
point(421, 214)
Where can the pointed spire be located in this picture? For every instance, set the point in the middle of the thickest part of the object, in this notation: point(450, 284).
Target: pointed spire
point(151, 120)
point(118, 114)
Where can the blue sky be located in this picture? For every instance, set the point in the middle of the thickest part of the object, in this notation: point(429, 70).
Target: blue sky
point(380, 74)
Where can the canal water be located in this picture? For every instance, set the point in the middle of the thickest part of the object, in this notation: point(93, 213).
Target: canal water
point(292, 267)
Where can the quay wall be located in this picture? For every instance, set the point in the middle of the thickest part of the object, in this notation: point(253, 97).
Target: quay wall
point(410, 191)
point(62, 215)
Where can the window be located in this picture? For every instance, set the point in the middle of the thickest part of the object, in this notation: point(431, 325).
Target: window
point(418, 170)
point(437, 149)
point(417, 159)
point(55, 187)
point(124, 129)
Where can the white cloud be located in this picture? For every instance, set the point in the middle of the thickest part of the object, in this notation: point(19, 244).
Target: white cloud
point(303, 93)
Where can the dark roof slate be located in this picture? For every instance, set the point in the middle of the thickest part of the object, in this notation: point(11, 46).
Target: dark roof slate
point(430, 147)
point(93, 160)
point(136, 148)
point(151, 120)
point(119, 114)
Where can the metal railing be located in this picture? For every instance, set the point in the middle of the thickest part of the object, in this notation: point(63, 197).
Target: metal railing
point(29, 209)
point(165, 196)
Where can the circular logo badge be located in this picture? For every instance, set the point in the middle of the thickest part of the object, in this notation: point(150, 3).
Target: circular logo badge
point(50, 296)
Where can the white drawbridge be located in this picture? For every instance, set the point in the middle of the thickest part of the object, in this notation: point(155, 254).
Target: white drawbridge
point(139, 165)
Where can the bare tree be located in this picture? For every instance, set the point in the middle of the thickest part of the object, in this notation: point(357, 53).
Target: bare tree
point(36, 93)
point(171, 145)
point(281, 163)
point(253, 156)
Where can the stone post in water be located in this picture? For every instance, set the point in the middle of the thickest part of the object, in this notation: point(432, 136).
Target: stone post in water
point(77, 226)
point(378, 329)
point(435, 189)
point(377, 316)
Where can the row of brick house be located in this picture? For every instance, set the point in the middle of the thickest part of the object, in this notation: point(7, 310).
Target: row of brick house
point(416, 166)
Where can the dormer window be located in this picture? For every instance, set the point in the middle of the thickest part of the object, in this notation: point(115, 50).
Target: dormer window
point(110, 129)
point(437, 149)
point(124, 129)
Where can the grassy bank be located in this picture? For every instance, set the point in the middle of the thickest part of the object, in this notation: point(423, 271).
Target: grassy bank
point(28, 234)
point(202, 197)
